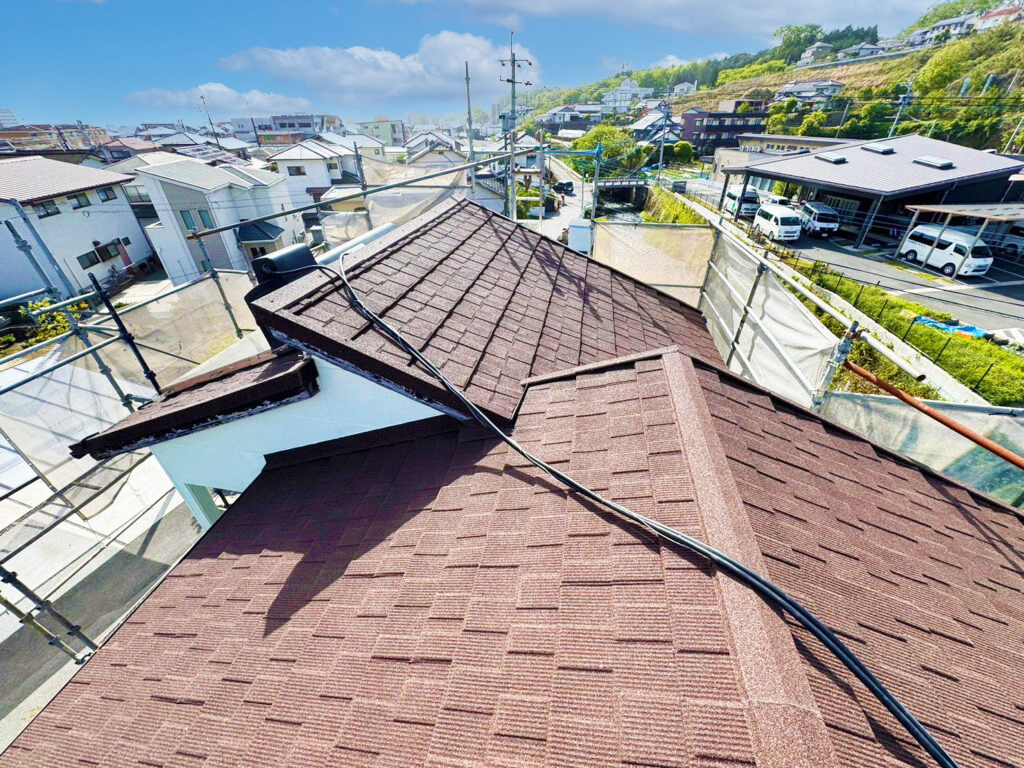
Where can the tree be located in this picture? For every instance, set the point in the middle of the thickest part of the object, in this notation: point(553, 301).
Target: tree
point(683, 150)
point(812, 124)
point(794, 39)
point(744, 108)
point(616, 142)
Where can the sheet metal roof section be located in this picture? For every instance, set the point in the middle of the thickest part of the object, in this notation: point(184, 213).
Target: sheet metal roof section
point(310, 149)
point(195, 173)
point(490, 301)
point(420, 596)
point(987, 211)
point(255, 384)
point(889, 175)
point(28, 179)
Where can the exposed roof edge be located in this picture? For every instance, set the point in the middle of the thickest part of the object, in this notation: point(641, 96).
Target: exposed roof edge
point(615, 362)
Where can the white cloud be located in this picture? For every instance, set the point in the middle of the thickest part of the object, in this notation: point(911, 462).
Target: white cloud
point(669, 61)
point(362, 76)
point(728, 17)
point(220, 99)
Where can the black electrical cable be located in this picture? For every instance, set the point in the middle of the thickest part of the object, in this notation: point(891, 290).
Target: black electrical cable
point(772, 594)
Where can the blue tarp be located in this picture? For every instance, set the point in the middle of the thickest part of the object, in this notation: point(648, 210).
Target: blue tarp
point(963, 330)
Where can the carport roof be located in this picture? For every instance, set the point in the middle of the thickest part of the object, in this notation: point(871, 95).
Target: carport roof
point(895, 174)
point(986, 211)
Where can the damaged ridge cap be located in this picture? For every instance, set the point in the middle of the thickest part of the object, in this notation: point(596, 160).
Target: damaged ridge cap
point(613, 362)
point(219, 373)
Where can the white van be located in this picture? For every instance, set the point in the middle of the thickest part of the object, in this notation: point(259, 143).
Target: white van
point(952, 254)
point(779, 222)
point(748, 207)
point(819, 220)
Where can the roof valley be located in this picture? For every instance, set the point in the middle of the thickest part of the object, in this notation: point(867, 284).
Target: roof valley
point(785, 717)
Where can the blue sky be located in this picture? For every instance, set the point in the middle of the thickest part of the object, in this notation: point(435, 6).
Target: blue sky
point(127, 61)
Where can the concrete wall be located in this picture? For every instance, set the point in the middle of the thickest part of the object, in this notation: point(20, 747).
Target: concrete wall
point(230, 456)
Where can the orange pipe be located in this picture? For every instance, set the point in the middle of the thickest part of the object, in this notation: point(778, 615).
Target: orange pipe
point(993, 447)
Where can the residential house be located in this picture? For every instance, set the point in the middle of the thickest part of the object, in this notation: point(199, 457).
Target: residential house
point(76, 220)
point(135, 190)
point(187, 139)
point(814, 53)
point(396, 586)
point(952, 28)
point(389, 132)
point(917, 39)
point(368, 146)
point(311, 167)
point(189, 195)
point(684, 89)
point(270, 130)
point(860, 51)
point(891, 44)
point(813, 93)
point(707, 130)
point(784, 144)
point(424, 141)
point(621, 97)
point(46, 136)
point(125, 147)
point(646, 105)
point(998, 16)
point(653, 122)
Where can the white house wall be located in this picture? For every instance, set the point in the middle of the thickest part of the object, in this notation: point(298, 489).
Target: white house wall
point(317, 175)
point(230, 456)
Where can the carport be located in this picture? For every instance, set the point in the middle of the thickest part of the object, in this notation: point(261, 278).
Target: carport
point(986, 213)
point(879, 175)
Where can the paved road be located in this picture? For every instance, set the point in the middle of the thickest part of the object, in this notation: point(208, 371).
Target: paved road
point(553, 224)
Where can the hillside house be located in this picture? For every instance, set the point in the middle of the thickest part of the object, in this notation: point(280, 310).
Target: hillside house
point(814, 53)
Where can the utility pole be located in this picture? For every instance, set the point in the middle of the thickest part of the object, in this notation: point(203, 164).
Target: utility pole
point(513, 63)
point(210, 120)
point(469, 133)
point(842, 120)
point(904, 100)
point(661, 146)
point(255, 133)
point(1009, 141)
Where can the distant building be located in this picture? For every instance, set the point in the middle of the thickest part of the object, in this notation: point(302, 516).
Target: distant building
point(269, 130)
point(814, 52)
point(621, 97)
point(189, 195)
point(707, 130)
point(860, 51)
point(76, 220)
point(7, 118)
point(430, 140)
point(44, 136)
point(999, 16)
point(186, 139)
point(125, 147)
point(813, 93)
point(683, 89)
point(368, 145)
point(577, 117)
point(390, 132)
point(784, 144)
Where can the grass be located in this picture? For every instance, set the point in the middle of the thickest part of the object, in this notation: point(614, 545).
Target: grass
point(665, 208)
point(969, 360)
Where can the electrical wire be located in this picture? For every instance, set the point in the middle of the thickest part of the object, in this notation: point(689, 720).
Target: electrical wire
point(772, 594)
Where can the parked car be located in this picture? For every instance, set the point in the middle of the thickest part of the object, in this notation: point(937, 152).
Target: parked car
point(747, 207)
point(770, 198)
point(1008, 238)
point(819, 220)
point(952, 253)
point(779, 222)
point(679, 186)
point(563, 187)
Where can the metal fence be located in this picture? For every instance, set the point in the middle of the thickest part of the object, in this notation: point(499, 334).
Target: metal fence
point(77, 515)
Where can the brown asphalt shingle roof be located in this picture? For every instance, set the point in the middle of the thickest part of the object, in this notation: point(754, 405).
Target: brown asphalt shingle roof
point(422, 596)
point(235, 391)
point(491, 303)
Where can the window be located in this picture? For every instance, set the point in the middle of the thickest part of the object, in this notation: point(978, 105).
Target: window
point(257, 251)
point(106, 194)
point(206, 218)
point(107, 252)
point(81, 200)
point(296, 170)
point(87, 260)
point(125, 241)
point(46, 208)
point(188, 220)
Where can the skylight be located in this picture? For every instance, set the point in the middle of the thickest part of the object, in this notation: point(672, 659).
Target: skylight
point(831, 157)
point(879, 149)
point(935, 162)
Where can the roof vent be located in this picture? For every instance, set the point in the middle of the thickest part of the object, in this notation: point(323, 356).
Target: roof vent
point(878, 149)
point(831, 157)
point(934, 162)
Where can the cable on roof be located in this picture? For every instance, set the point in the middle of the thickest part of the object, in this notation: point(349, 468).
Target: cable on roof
point(768, 591)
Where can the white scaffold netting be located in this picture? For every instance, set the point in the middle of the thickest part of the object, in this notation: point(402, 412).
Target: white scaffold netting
point(899, 427)
point(781, 345)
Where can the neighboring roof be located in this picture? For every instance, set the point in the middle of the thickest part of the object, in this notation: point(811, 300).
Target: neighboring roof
point(489, 301)
point(310, 149)
point(132, 164)
point(889, 174)
point(987, 211)
point(238, 390)
point(351, 140)
point(825, 140)
point(194, 173)
point(420, 595)
point(208, 153)
point(28, 179)
point(257, 176)
point(229, 142)
point(133, 143)
point(259, 232)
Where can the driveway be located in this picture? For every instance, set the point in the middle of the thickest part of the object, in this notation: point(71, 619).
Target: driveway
point(992, 301)
point(553, 224)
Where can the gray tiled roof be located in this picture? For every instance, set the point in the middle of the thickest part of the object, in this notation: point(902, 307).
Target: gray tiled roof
point(892, 174)
point(195, 174)
point(37, 178)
